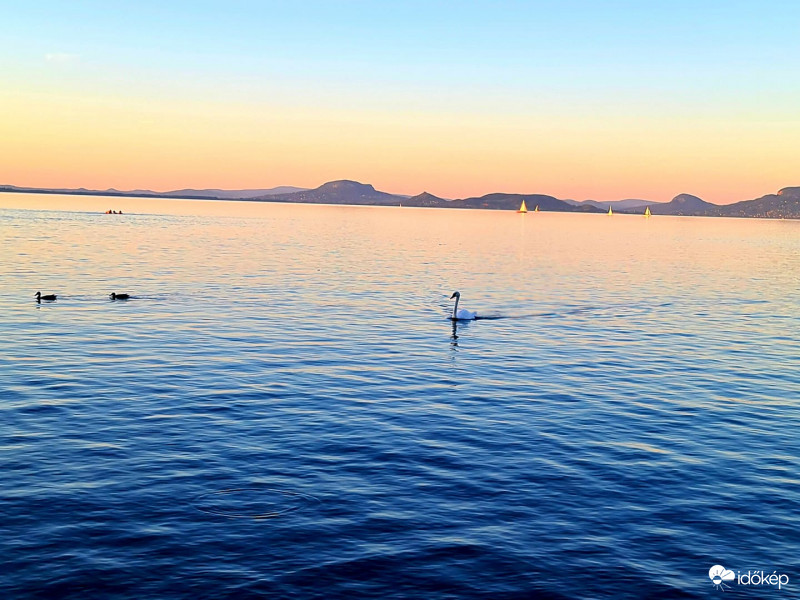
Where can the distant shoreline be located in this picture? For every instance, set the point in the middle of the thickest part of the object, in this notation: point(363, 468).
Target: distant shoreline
point(783, 205)
point(101, 194)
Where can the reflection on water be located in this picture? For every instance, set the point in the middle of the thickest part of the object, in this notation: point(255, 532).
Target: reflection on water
point(454, 336)
point(284, 409)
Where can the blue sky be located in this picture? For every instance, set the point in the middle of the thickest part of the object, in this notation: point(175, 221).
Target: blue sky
point(574, 47)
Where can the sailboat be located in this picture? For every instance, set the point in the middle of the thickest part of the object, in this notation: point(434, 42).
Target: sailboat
point(647, 212)
point(522, 208)
point(536, 209)
point(610, 212)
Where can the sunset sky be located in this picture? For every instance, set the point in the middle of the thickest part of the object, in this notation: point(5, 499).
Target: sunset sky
point(577, 99)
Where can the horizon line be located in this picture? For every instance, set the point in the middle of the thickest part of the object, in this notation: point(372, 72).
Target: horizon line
point(146, 191)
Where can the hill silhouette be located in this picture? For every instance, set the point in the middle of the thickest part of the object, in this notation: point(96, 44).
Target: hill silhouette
point(499, 201)
point(343, 191)
point(685, 205)
point(785, 204)
point(426, 199)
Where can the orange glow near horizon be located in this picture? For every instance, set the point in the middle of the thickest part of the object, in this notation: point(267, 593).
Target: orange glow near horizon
point(71, 140)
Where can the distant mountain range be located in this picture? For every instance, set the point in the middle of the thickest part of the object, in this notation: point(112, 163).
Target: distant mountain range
point(629, 204)
point(352, 192)
point(783, 205)
point(229, 194)
point(191, 194)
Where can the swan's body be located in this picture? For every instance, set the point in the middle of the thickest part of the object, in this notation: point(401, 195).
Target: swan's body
point(463, 314)
point(47, 298)
point(115, 296)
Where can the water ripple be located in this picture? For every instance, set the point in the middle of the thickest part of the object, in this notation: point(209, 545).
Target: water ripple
point(284, 410)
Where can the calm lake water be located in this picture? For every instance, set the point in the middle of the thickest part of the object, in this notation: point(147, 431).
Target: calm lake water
point(283, 409)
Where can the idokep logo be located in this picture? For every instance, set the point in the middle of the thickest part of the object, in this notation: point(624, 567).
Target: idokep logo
point(719, 575)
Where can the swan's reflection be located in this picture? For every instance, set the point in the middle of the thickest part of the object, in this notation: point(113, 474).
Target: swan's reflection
point(454, 335)
point(454, 332)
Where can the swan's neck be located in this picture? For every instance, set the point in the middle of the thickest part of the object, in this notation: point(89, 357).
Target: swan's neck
point(455, 308)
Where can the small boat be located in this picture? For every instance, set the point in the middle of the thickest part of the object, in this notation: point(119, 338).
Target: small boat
point(522, 208)
point(536, 209)
point(610, 212)
point(647, 212)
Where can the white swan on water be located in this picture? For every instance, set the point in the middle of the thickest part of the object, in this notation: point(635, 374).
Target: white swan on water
point(463, 314)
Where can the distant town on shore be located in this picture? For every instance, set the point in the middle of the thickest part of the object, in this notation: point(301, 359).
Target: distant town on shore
point(785, 204)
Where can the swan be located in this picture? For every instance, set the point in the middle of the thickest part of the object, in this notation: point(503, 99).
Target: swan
point(463, 314)
point(47, 298)
point(115, 296)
